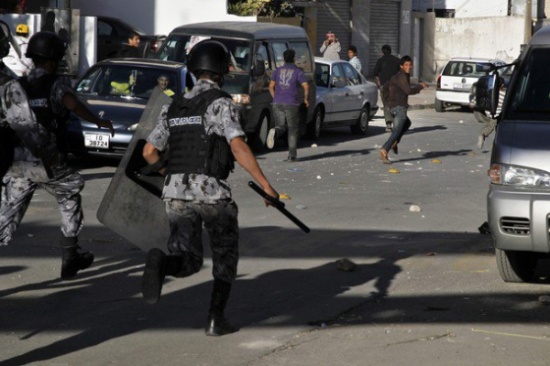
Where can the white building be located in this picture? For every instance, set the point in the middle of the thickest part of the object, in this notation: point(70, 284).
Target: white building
point(159, 16)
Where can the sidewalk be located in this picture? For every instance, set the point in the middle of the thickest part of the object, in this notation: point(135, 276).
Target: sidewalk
point(423, 100)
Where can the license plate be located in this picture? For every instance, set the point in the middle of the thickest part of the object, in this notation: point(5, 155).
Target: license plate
point(461, 86)
point(98, 141)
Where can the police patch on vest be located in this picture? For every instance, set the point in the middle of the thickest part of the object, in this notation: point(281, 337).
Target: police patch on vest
point(185, 121)
point(38, 103)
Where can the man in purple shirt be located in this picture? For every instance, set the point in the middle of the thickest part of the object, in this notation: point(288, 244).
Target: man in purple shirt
point(283, 87)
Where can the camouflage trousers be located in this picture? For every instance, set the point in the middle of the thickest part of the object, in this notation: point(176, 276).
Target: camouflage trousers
point(186, 219)
point(17, 192)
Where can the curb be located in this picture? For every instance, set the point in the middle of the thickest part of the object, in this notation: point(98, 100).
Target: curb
point(421, 106)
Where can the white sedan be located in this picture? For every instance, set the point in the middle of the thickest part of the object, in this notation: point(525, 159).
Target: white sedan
point(344, 98)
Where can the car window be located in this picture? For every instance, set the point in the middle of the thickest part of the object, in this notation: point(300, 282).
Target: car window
point(262, 53)
point(352, 77)
point(104, 29)
point(465, 69)
point(278, 50)
point(321, 75)
point(303, 55)
point(177, 47)
point(530, 97)
point(337, 74)
point(127, 81)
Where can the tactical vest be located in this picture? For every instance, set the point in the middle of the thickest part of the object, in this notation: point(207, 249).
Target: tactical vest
point(39, 93)
point(191, 150)
point(7, 137)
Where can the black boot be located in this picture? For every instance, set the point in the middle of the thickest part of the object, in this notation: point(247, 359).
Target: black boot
point(217, 324)
point(72, 260)
point(153, 275)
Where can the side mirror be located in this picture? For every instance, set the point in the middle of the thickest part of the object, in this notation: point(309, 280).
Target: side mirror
point(259, 68)
point(486, 93)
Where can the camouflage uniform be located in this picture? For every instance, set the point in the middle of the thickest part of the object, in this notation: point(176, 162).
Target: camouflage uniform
point(194, 199)
point(36, 151)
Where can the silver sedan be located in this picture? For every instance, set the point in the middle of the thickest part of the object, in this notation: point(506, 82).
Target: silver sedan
point(344, 98)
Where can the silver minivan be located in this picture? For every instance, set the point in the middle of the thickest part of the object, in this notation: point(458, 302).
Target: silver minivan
point(518, 202)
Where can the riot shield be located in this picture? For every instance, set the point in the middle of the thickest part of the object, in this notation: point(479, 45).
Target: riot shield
point(132, 206)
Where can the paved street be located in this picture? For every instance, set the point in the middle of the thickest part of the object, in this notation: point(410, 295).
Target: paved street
point(426, 290)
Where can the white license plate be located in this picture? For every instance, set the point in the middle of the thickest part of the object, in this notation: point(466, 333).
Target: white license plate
point(98, 141)
point(461, 86)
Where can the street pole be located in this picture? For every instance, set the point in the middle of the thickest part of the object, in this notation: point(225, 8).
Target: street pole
point(528, 22)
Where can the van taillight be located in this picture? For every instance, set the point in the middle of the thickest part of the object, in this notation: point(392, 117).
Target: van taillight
point(438, 82)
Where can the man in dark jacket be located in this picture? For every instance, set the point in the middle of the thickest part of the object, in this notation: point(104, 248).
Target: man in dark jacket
point(385, 67)
point(399, 88)
point(130, 49)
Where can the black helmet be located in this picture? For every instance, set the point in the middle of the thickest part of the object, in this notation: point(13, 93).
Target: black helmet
point(5, 35)
point(209, 55)
point(47, 45)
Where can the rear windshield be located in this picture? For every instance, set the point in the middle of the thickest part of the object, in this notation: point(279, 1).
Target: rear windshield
point(529, 98)
point(465, 69)
point(177, 47)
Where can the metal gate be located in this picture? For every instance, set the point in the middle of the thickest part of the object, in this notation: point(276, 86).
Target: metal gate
point(384, 27)
point(334, 16)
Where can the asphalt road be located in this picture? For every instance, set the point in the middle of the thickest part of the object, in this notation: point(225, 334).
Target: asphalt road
point(426, 290)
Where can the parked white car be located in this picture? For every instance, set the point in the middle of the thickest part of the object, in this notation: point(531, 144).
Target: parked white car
point(454, 84)
point(343, 98)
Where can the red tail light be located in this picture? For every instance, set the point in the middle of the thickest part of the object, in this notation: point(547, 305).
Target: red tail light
point(438, 82)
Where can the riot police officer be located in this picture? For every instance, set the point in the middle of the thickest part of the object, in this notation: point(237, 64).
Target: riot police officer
point(43, 163)
point(203, 133)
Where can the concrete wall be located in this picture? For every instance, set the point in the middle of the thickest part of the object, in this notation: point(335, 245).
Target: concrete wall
point(465, 8)
point(159, 16)
point(498, 37)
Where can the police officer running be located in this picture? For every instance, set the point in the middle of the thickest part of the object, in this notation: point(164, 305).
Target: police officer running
point(203, 133)
point(41, 159)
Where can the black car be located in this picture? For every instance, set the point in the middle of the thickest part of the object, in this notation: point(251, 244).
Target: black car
point(112, 33)
point(119, 90)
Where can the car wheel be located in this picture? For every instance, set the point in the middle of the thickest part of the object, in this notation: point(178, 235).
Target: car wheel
point(439, 107)
point(259, 138)
point(360, 127)
point(515, 266)
point(314, 127)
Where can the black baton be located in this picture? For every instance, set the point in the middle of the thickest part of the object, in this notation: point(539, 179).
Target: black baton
point(279, 206)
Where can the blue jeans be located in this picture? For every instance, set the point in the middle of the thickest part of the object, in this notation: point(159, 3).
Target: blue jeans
point(289, 114)
point(401, 124)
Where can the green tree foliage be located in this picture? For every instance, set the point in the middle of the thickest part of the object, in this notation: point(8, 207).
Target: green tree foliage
point(269, 8)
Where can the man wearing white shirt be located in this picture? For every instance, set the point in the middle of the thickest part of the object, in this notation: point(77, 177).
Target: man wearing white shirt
point(353, 59)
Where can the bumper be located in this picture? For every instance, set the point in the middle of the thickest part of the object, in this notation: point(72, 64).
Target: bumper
point(117, 144)
point(519, 219)
point(454, 97)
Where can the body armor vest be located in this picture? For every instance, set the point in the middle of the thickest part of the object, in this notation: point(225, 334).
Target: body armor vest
point(39, 93)
point(191, 150)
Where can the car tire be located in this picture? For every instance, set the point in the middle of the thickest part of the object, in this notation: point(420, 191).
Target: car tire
point(516, 266)
point(362, 124)
point(259, 138)
point(439, 107)
point(314, 127)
